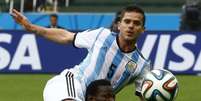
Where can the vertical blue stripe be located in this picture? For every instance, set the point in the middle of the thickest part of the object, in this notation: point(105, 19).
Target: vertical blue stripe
point(135, 56)
point(101, 57)
point(96, 39)
point(83, 65)
point(116, 61)
point(123, 81)
point(87, 60)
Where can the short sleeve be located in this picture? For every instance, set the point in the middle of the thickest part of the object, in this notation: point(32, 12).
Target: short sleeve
point(87, 38)
point(139, 80)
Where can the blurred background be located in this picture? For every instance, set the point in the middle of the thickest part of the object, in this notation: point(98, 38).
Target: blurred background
point(172, 41)
point(88, 5)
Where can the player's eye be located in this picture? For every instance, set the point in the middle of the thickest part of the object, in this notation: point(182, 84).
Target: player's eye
point(127, 21)
point(137, 23)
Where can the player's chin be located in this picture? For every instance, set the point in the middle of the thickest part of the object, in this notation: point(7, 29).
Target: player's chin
point(130, 38)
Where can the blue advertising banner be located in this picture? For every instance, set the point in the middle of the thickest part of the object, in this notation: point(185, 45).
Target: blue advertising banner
point(23, 52)
point(179, 52)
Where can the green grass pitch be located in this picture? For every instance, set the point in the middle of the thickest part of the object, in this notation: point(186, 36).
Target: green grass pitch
point(29, 87)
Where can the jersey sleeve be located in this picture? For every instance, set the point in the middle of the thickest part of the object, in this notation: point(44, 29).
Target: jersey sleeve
point(139, 80)
point(87, 38)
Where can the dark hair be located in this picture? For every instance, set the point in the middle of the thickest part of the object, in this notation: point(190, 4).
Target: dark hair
point(120, 14)
point(114, 27)
point(93, 87)
point(54, 15)
point(132, 8)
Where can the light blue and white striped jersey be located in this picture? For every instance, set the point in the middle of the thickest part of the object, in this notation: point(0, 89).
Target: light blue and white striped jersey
point(105, 60)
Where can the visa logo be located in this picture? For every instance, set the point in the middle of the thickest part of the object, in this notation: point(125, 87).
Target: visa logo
point(169, 45)
point(27, 44)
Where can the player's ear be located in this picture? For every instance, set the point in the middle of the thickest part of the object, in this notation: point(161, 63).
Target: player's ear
point(118, 25)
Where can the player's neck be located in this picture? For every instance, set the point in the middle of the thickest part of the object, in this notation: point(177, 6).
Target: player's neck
point(126, 46)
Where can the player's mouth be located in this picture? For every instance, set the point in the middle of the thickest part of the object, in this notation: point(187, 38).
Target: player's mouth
point(130, 32)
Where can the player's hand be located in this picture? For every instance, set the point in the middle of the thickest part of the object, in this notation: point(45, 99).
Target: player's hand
point(20, 19)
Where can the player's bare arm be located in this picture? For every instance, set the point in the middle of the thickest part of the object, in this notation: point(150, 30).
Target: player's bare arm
point(57, 35)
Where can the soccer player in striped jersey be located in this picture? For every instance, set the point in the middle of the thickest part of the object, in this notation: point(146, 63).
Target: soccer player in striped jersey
point(112, 56)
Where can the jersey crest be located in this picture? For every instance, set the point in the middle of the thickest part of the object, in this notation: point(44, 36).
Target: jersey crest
point(131, 66)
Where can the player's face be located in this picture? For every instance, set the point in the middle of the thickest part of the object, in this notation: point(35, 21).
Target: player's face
point(53, 21)
point(105, 94)
point(131, 26)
